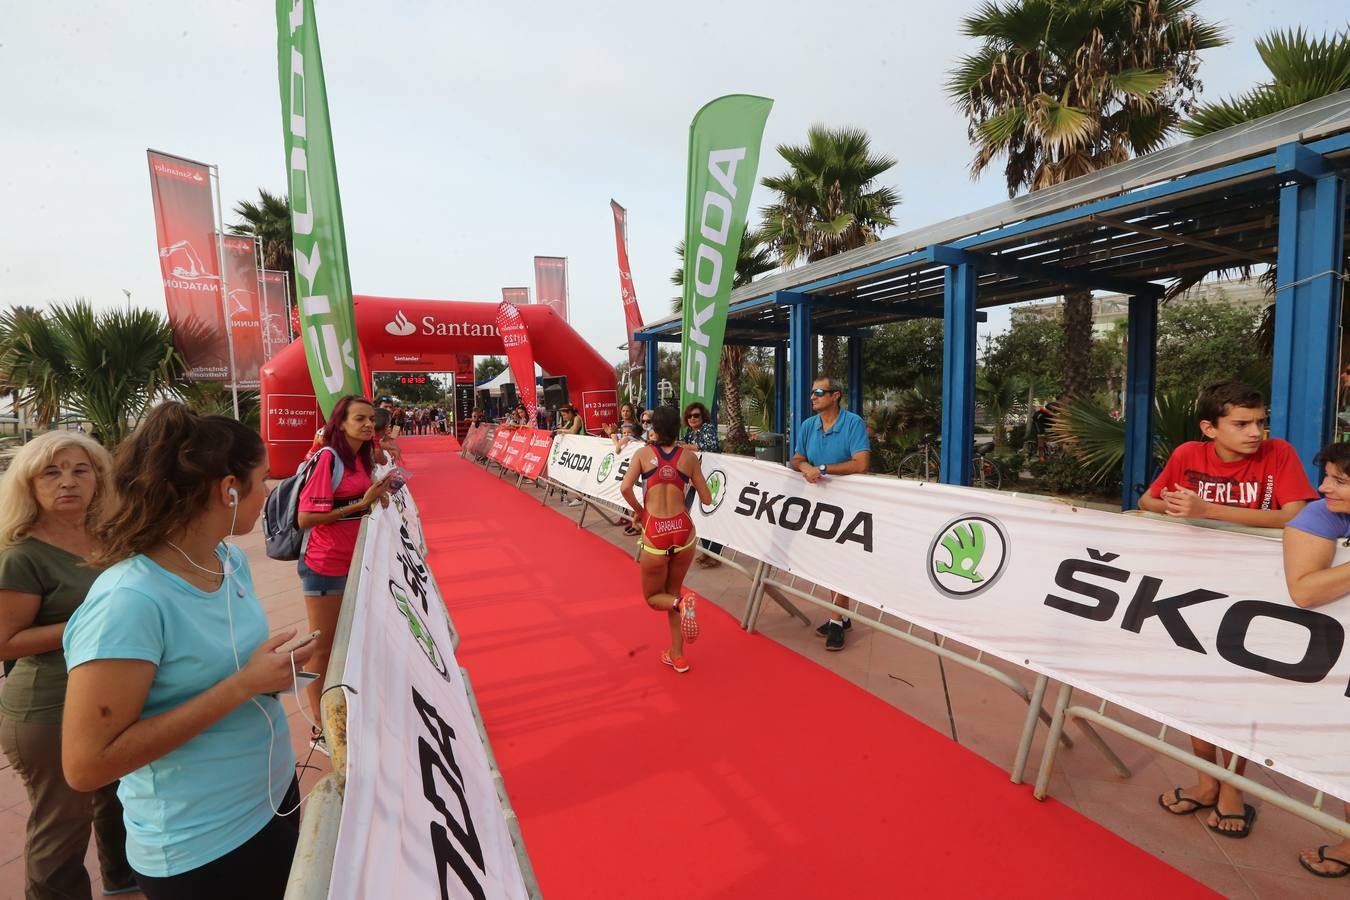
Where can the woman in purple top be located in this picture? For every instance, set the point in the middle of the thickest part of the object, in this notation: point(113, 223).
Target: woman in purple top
point(1310, 541)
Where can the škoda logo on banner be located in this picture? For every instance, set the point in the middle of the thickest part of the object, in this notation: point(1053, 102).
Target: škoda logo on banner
point(967, 556)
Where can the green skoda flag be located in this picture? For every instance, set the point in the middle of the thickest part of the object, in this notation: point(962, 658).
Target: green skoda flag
point(724, 143)
point(323, 284)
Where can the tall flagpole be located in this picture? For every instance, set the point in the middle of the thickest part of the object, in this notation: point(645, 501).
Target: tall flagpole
point(225, 291)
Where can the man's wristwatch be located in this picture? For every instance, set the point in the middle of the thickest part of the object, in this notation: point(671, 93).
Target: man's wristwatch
point(822, 468)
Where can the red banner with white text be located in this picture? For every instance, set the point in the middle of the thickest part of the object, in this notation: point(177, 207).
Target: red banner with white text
point(274, 310)
point(632, 313)
point(185, 232)
point(500, 438)
point(516, 340)
point(598, 409)
point(536, 453)
point(515, 448)
point(550, 283)
point(241, 299)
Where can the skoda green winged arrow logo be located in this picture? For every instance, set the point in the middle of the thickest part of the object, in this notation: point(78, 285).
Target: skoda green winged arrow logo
point(553, 453)
point(418, 629)
point(717, 486)
point(968, 555)
point(606, 466)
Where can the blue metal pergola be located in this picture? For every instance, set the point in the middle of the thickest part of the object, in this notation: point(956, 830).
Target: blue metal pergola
point(1271, 192)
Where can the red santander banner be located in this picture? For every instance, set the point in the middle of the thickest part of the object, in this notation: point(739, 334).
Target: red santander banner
point(500, 438)
point(241, 299)
point(519, 296)
point(185, 232)
point(536, 453)
point(516, 340)
point(515, 449)
point(632, 313)
point(550, 283)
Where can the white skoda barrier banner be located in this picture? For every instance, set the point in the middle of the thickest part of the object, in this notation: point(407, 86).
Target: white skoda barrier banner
point(1189, 626)
point(589, 465)
point(420, 817)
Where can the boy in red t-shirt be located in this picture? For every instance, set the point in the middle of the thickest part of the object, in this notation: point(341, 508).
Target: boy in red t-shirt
point(1236, 476)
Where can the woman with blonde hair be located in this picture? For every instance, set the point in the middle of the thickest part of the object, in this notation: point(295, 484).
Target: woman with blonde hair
point(49, 497)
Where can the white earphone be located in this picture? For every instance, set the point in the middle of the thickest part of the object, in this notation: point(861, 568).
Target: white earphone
point(234, 496)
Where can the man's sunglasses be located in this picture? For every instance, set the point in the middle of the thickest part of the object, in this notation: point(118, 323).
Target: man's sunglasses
point(821, 392)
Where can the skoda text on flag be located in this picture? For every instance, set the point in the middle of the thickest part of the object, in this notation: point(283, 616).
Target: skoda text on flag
point(516, 341)
point(632, 313)
point(322, 280)
point(724, 141)
point(241, 299)
point(185, 231)
point(550, 283)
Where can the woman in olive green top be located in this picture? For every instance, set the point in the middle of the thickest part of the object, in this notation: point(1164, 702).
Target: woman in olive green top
point(48, 498)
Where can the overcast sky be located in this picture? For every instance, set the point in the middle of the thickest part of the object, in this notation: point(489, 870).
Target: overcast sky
point(471, 137)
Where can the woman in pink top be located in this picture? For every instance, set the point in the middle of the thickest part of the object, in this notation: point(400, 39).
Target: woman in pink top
point(333, 519)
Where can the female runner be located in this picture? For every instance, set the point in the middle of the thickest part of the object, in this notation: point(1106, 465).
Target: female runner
point(667, 540)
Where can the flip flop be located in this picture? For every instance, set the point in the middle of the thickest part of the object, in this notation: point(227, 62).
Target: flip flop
point(1322, 857)
point(1247, 817)
point(1196, 805)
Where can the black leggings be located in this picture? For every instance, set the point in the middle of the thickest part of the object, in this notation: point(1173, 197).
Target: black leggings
point(259, 868)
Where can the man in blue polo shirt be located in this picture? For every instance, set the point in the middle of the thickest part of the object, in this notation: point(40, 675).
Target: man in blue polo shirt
point(832, 442)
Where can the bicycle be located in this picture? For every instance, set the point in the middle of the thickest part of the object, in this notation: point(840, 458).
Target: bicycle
point(923, 465)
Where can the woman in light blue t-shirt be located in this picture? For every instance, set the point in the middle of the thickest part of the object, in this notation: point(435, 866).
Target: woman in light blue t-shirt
point(172, 674)
point(1310, 541)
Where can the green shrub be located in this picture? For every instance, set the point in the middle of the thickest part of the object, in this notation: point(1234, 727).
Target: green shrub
point(1065, 474)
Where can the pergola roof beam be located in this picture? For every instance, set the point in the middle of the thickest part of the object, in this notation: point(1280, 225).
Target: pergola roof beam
point(1173, 238)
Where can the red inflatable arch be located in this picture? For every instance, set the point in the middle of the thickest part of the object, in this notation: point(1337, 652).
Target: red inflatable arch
point(419, 335)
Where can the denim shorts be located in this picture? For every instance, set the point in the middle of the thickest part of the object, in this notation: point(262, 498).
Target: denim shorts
point(316, 585)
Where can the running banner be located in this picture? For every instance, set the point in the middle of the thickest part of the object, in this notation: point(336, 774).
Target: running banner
point(632, 313)
point(724, 141)
point(590, 466)
point(274, 315)
point(516, 340)
point(322, 278)
point(420, 814)
point(519, 296)
point(241, 298)
point(185, 233)
point(1186, 625)
point(550, 283)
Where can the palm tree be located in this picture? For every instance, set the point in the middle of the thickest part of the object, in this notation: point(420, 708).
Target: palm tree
point(1000, 395)
point(753, 259)
point(1060, 89)
point(1301, 69)
point(269, 220)
point(827, 202)
point(108, 366)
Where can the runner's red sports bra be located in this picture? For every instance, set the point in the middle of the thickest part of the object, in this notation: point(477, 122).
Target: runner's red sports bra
point(667, 470)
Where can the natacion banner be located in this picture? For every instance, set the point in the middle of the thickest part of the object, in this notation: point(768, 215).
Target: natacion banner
point(185, 232)
point(724, 141)
point(323, 280)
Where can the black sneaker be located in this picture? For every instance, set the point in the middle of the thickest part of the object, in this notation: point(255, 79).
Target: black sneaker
point(835, 639)
point(824, 630)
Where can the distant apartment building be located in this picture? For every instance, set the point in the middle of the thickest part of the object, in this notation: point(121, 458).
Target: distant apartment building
point(1108, 309)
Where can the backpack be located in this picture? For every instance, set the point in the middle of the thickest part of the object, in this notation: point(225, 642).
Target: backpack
point(282, 534)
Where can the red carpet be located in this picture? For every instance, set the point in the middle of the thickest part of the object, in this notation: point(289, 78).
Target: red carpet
point(758, 774)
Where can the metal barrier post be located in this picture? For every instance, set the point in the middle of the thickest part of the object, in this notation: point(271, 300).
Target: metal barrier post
point(312, 866)
point(1052, 742)
point(756, 581)
point(1029, 728)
